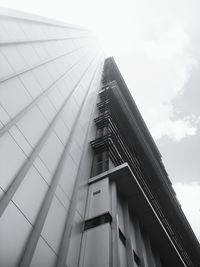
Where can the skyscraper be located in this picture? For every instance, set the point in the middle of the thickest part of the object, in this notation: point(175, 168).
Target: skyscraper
point(81, 179)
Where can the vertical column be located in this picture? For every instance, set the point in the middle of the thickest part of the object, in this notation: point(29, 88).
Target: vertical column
point(150, 257)
point(95, 250)
point(139, 242)
point(114, 227)
point(129, 250)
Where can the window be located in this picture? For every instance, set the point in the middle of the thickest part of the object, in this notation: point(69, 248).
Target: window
point(96, 221)
point(136, 258)
point(122, 237)
point(96, 192)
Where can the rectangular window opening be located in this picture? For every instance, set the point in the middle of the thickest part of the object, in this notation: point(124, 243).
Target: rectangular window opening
point(96, 192)
point(96, 221)
point(136, 258)
point(122, 237)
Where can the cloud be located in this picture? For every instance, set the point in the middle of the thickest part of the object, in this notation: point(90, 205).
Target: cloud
point(176, 130)
point(189, 197)
point(155, 73)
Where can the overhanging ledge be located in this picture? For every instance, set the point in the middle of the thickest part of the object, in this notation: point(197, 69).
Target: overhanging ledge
point(139, 204)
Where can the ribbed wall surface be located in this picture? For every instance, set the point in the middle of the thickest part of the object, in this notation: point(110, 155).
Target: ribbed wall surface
point(49, 73)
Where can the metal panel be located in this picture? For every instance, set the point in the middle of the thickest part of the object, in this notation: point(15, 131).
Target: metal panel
point(14, 230)
point(99, 203)
point(44, 256)
point(26, 198)
point(97, 247)
point(55, 220)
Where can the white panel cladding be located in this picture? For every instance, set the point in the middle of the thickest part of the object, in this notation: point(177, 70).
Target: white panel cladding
point(26, 198)
point(4, 117)
point(75, 151)
point(97, 247)
point(52, 70)
point(68, 176)
point(44, 256)
point(20, 140)
point(83, 124)
point(68, 114)
point(50, 47)
point(62, 197)
point(29, 54)
point(47, 108)
point(99, 198)
point(54, 224)
point(21, 59)
point(75, 241)
point(56, 98)
point(51, 152)
point(65, 85)
point(13, 31)
point(61, 130)
point(33, 125)
point(11, 159)
point(43, 77)
point(83, 188)
point(31, 84)
point(41, 51)
point(43, 170)
point(14, 231)
point(15, 59)
point(13, 96)
point(5, 68)
point(33, 31)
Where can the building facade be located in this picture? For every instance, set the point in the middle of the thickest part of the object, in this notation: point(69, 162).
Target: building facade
point(81, 180)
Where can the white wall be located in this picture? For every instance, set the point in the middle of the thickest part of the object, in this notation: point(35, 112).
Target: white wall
point(40, 63)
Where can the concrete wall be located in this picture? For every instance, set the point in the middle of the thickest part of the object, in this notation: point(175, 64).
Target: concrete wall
point(49, 75)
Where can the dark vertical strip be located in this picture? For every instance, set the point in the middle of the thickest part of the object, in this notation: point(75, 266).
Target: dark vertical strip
point(40, 220)
point(150, 256)
point(64, 246)
point(28, 163)
point(129, 251)
point(115, 232)
point(139, 242)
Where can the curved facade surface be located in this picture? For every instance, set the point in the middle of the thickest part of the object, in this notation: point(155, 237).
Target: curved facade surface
point(49, 75)
point(82, 183)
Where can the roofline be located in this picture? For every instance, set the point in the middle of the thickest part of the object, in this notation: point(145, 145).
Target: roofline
point(30, 18)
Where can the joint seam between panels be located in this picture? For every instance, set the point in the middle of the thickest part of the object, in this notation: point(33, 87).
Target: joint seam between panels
point(28, 162)
point(36, 231)
point(18, 116)
point(4, 43)
point(64, 245)
point(40, 20)
point(6, 78)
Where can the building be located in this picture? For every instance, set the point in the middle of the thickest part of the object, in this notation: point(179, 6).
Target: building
point(81, 180)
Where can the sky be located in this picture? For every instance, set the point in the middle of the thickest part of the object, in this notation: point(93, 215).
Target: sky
point(156, 46)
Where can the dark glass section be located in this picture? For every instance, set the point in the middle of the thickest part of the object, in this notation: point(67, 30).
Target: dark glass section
point(122, 237)
point(96, 221)
point(136, 258)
